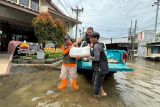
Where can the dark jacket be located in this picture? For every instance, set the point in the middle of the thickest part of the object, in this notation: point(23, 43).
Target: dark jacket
point(86, 38)
point(99, 59)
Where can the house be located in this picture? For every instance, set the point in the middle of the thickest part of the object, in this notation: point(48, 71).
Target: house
point(153, 51)
point(148, 44)
point(16, 17)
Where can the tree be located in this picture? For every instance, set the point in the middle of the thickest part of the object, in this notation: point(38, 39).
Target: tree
point(43, 27)
point(59, 32)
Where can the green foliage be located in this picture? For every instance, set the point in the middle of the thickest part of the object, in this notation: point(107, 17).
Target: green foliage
point(43, 27)
point(49, 55)
point(48, 29)
point(60, 32)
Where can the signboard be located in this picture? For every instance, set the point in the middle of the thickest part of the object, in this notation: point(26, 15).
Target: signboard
point(24, 48)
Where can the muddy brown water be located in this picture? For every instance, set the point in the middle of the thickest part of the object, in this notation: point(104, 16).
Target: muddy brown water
point(27, 87)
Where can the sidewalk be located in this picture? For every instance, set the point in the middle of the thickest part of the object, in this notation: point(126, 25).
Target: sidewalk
point(5, 63)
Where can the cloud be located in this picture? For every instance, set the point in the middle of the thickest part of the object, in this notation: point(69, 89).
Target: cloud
point(112, 18)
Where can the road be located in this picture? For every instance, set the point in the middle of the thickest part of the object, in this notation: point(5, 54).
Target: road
point(27, 87)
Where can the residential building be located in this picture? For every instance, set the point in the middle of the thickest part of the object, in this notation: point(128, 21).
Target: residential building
point(16, 17)
point(148, 44)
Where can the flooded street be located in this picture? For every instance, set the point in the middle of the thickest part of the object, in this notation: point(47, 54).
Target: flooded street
point(32, 87)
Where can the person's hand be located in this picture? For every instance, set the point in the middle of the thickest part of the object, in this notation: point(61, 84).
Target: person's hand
point(75, 44)
point(78, 58)
point(85, 59)
point(90, 57)
point(91, 45)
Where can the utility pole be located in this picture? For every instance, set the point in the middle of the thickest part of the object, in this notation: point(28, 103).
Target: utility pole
point(157, 10)
point(135, 27)
point(134, 36)
point(77, 11)
point(131, 39)
point(111, 40)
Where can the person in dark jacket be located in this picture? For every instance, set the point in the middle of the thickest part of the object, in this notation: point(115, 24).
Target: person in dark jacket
point(99, 65)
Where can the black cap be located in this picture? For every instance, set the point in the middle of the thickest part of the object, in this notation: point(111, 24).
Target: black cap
point(95, 35)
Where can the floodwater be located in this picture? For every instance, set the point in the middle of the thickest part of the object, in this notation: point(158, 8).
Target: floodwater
point(36, 87)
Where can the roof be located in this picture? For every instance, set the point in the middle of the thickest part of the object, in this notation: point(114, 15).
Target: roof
point(55, 7)
point(153, 44)
point(18, 6)
point(64, 16)
point(56, 10)
point(60, 13)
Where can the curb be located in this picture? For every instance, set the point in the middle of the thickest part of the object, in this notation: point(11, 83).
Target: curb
point(49, 65)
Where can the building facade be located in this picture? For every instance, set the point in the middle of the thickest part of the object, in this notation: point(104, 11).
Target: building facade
point(16, 17)
point(148, 44)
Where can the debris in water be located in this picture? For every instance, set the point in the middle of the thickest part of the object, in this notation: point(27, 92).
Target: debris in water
point(50, 92)
point(55, 104)
point(41, 104)
point(36, 98)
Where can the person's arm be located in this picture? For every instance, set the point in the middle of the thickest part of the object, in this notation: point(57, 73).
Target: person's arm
point(79, 40)
point(97, 51)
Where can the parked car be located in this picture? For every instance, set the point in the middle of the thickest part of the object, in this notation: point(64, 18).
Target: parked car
point(116, 61)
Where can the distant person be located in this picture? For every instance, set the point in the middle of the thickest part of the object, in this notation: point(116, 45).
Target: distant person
point(85, 37)
point(99, 66)
point(69, 66)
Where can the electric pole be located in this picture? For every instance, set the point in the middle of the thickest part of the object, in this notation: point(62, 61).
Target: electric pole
point(135, 28)
point(77, 11)
point(157, 10)
point(134, 36)
point(131, 38)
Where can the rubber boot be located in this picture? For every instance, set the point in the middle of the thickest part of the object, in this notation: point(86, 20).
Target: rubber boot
point(63, 84)
point(74, 84)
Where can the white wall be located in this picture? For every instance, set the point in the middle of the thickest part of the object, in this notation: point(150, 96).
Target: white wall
point(147, 37)
point(114, 40)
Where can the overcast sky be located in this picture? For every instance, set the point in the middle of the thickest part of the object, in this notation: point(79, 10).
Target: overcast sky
point(112, 18)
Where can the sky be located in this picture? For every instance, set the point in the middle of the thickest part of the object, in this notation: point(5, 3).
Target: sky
point(112, 18)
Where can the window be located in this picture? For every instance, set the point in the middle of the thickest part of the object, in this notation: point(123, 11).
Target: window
point(35, 5)
point(14, 1)
point(155, 49)
point(24, 2)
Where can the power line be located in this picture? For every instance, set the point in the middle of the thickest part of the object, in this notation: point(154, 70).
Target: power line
point(68, 5)
point(103, 26)
point(64, 7)
point(109, 12)
point(138, 7)
point(148, 26)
